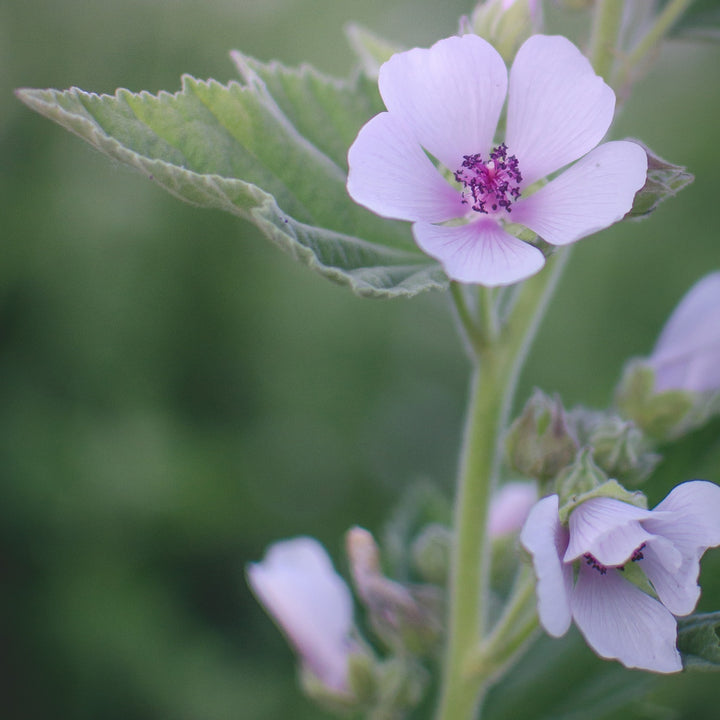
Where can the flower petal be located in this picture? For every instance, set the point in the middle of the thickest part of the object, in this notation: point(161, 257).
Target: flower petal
point(687, 353)
point(689, 517)
point(591, 195)
point(558, 108)
point(310, 602)
point(607, 529)
point(479, 252)
point(392, 176)
point(677, 589)
point(621, 622)
point(546, 539)
point(450, 95)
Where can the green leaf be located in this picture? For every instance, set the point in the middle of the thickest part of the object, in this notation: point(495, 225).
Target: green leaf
point(271, 151)
point(699, 641)
point(664, 180)
point(371, 50)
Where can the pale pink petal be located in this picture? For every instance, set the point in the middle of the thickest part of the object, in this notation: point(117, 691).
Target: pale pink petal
point(509, 507)
point(310, 602)
point(450, 95)
point(558, 108)
point(678, 590)
point(479, 252)
point(621, 622)
point(392, 176)
point(689, 517)
point(607, 529)
point(591, 195)
point(545, 539)
point(687, 353)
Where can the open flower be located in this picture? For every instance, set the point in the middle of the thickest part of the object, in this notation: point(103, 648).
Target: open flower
point(445, 103)
point(311, 603)
point(687, 353)
point(610, 539)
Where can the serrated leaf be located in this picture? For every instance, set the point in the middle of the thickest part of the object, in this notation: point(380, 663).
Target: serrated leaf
point(237, 148)
point(371, 50)
point(664, 180)
point(699, 641)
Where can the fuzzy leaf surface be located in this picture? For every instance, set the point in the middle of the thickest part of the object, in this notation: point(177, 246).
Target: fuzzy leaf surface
point(272, 151)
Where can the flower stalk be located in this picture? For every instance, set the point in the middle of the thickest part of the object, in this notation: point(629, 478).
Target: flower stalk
point(497, 368)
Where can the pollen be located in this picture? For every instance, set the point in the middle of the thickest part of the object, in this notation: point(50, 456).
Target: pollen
point(491, 186)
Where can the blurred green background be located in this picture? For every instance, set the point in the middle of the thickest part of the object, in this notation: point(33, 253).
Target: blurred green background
point(175, 394)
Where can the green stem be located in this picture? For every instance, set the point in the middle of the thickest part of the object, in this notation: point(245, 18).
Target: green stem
point(603, 43)
point(492, 389)
point(665, 20)
point(470, 330)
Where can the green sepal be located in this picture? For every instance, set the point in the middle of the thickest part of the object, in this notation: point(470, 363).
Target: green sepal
point(662, 415)
point(699, 641)
point(664, 180)
point(586, 474)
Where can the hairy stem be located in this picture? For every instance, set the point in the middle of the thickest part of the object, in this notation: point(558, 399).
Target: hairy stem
point(498, 365)
point(605, 31)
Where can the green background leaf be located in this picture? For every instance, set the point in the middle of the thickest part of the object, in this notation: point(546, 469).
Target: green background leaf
point(699, 641)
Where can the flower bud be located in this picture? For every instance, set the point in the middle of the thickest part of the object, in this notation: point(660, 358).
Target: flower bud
point(431, 553)
point(403, 616)
point(678, 387)
point(312, 605)
point(509, 508)
point(539, 443)
point(687, 353)
point(619, 448)
point(506, 24)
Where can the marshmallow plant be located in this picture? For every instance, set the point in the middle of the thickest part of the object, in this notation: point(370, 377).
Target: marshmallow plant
point(468, 166)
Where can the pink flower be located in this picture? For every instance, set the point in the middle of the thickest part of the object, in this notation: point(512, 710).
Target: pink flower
point(509, 508)
point(311, 603)
point(610, 539)
point(687, 353)
point(444, 103)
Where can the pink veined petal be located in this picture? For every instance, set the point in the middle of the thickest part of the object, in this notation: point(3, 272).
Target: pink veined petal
point(509, 507)
point(450, 95)
point(545, 539)
point(689, 517)
point(310, 602)
point(678, 591)
point(621, 622)
point(558, 108)
point(687, 353)
point(392, 176)
point(607, 529)
point(479, 252)
point(591, 195)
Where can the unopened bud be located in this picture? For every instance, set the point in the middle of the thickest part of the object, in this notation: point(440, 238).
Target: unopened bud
point(539, 443)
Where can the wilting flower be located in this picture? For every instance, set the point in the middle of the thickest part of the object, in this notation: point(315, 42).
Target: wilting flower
point(509, 508)
point(687, 353)
point(610, 540)
point(311, 603)
point(444, 103)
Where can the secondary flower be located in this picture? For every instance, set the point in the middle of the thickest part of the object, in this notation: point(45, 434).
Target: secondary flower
point(311, 603)
point(609, 540)
point(687, 353)
point(443, 104)
point(509, 507)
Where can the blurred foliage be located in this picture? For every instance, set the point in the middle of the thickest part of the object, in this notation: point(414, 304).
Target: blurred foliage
point(176, 394)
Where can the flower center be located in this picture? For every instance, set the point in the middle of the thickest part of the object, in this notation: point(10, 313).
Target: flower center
point(489, 186)
point(602, 569)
